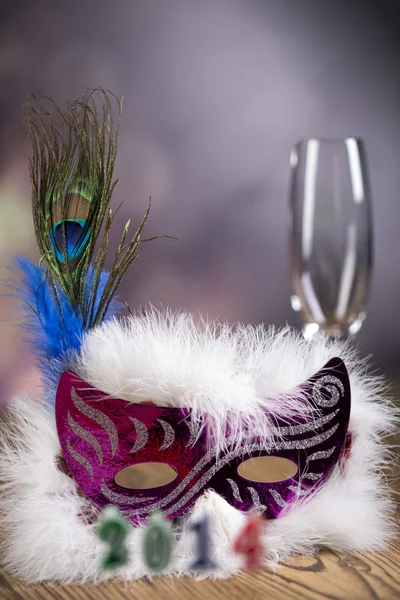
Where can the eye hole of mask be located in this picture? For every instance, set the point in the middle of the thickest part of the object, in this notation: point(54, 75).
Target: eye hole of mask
point(267, 469)
point(145, 476)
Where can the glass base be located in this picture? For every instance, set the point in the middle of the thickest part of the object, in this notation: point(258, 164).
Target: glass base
point(335, 331)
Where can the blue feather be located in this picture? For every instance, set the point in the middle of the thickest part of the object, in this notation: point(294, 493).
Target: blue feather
point(52, 336)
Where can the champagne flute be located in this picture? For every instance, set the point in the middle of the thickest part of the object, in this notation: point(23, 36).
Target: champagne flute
point(331, 235)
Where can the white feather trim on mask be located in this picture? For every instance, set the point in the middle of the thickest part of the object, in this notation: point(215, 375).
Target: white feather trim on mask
point(230, 374)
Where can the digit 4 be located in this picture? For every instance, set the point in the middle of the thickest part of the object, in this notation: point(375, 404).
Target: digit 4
point(249, 542)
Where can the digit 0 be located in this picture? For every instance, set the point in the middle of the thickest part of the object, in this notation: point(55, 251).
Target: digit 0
point(157, 544)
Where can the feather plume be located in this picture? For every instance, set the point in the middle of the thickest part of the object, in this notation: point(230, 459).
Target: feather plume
point(71, 167)
point(53, 329)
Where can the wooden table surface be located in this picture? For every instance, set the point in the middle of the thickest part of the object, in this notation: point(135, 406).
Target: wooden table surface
point(329, 575)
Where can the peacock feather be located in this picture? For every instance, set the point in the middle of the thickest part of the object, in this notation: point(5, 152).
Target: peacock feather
point(71, 166)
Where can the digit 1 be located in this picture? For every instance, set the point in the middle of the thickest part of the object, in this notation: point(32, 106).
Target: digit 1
point(248, 543)
point(203, 561)
point(157, 543)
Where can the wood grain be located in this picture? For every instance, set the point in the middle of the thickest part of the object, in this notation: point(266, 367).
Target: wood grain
point(329, 575)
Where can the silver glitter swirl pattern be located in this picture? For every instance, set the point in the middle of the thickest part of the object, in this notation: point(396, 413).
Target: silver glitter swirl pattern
point(97, 416)
point(281, 445)
point(169, 434)
point(278, 498)
point(235, 490)
point(313, 476)
point(304, 427)
point(86, 436)
point(333, 385)
point(321, 454)
point(120, 498)
point(298, 491)
point(255, 498)
point(142, 435)
point(193, 433)
point(80, 459)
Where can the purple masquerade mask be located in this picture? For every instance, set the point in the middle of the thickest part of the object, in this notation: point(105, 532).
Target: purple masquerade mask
point(111, 445)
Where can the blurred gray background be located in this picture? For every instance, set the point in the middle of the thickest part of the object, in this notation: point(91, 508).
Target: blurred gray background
point(216, 92)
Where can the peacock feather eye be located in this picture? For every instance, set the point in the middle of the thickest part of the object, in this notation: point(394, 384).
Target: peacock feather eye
point(69, 224)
